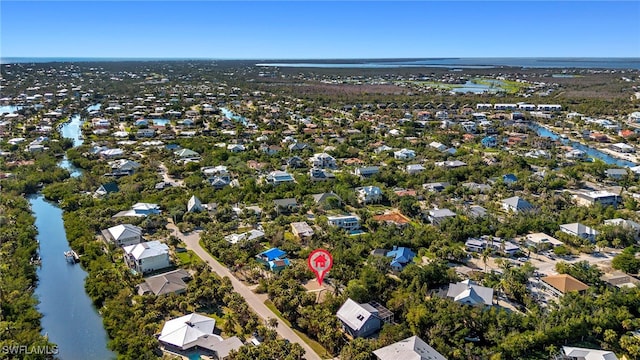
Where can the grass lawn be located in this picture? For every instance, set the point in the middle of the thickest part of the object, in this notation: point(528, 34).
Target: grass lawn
point(186, 257)
point(312, 343)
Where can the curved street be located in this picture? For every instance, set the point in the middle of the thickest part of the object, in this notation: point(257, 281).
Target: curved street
point(192, 241)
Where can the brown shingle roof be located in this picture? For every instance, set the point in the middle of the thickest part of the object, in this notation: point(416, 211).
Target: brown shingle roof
point(565, 283)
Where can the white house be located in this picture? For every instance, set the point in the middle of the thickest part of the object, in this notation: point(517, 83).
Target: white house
point(576, 353)
point(577, 229)
point(279, 177)
point(195, 330)
point(414, 169)
point(346, 222)
point(123, 235)
point(194, 204)
point(147, 256)
point(468, 292)
point(369, 194)
point(404, 154)
point(516, 204)
point(323, 160)
point(412, 348)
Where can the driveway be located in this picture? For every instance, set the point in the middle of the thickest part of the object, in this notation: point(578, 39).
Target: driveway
point(192, 240)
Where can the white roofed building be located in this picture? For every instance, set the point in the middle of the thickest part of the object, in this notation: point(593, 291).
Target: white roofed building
point(412, 348)
point(147, 256)
point(123, 234)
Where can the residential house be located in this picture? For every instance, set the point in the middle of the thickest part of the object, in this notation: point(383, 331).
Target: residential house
point(437, 216)
point(323, 198)
point(563, 283)
point(576, 353)
point(274, 258)
point(616, 174)
point(140, 210)
point(489, 142)
point(359, 320)
point(197, 331)
point(412, 348)
point(620, 280)
point(622, 148)
point(576, 154)
point(404, 154)
point(626, 224)
point(477, 188)
point(236, 148)
point(297, 146)
point(451, 164)
point(194, 204)
point(580, 230)
point(123, 235)
point(172, 282)
point(286, 206)
point(438, 146)
point(217, 176)
point(106, 188)
point(245, 236)
point(400, 257)
point(542, 241)
point(470, 293)
point(346, 222)
point(436, 186)
point(147, 256)
point(604, 198)
point(366, 171)
point(295, 162)
point(317, 174)
point(517, 204)
point(369, 194)
point(382, 149)
point(279, 177)
point(322, 161)
point(145, 133)
point(123, 167)
point(393, 218)
point(414, 169)
point(476, 211)
point(187, 155)
point(496, 244)
point(302, 230)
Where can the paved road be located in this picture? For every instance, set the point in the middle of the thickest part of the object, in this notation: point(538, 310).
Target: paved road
point(192, 241)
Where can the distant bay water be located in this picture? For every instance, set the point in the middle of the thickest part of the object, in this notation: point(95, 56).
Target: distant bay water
point(462, 63)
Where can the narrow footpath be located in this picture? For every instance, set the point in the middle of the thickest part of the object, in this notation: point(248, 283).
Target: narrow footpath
point(192, 241)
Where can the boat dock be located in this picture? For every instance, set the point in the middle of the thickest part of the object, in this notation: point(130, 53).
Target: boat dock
point(71, 256)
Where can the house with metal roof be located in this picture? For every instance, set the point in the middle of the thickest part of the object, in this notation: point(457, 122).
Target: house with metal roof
point(576, 353)
point(123, 234)
point(470, 293)
point(400, 257)
point(359, 320)
point(147, 256)
point(517, 204)
point(412, 348)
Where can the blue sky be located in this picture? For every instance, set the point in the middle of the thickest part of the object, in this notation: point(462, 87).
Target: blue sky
point(330, 29)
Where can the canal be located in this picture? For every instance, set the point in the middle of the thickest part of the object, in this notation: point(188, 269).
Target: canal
point(594, 153)
point(69, 317)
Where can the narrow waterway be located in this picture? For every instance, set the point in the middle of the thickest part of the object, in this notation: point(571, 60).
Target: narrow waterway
point(69, 317)
point(594, 153)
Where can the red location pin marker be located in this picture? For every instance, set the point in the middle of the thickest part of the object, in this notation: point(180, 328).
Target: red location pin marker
point(320, 261)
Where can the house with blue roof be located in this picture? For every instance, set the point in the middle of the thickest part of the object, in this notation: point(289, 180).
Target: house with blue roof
point(401, 257)
point(274, 258)
point(489, 142)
